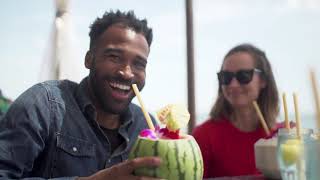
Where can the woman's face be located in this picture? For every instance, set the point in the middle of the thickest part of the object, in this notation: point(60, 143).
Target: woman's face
point(237, 94)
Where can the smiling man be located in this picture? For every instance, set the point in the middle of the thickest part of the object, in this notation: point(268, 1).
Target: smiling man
point(65, 130)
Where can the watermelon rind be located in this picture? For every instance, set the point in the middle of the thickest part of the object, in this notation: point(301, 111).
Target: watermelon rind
point(181, 158)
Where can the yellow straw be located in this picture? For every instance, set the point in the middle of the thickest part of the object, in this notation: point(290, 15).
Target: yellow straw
point(145, 113)
point(261, 118)
point(298, 124)
point(297, 113)
point(316, 96)
point(285, 108)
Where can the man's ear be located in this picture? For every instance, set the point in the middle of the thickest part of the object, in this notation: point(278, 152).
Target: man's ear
point(88, 60)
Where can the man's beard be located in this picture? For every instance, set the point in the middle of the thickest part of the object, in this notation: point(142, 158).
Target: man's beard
point(99, 94)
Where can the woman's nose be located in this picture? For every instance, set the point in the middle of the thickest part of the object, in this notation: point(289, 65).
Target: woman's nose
point(234, 82)
point(126, 72)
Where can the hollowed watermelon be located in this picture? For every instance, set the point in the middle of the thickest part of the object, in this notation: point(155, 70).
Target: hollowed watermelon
point(181, 158)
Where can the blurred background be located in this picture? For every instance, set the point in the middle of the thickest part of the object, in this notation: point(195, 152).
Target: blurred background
point(287, 30)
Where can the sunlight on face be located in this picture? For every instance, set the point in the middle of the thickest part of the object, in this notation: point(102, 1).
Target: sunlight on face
point(131, 33)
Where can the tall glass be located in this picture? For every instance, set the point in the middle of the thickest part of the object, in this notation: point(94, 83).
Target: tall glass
point(290, 153)
point(312, 155)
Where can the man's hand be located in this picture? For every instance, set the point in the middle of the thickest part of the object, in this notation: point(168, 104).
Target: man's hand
point(123, 171)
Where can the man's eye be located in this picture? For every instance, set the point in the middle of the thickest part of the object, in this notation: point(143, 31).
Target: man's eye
point(113, 58)
point(140, 65)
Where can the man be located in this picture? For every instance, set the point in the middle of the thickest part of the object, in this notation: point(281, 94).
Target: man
point(60, 129)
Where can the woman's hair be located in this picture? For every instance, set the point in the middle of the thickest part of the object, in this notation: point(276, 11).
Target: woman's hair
point(268, 97)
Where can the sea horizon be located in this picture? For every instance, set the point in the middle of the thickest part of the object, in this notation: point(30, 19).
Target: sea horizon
point(308, 120)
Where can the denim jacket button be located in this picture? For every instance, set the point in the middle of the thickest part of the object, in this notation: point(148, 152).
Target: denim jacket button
point(74, 149)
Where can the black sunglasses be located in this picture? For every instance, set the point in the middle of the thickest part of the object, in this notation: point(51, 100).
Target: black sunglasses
point(242, 76)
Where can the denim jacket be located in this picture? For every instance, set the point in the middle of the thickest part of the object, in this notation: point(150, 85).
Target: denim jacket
point(50, 131)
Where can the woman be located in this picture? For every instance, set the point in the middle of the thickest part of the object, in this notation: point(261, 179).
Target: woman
point(227, 138)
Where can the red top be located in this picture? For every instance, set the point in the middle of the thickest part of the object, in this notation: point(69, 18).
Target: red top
point(226, 150)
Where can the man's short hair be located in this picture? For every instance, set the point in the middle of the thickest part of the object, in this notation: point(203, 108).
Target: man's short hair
point(127, 19)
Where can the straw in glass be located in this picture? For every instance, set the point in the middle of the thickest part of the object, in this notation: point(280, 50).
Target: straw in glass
point(297, 114)
point(316, 96)
point(285, 108)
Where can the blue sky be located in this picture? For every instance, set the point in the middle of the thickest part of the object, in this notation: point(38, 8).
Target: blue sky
point(288, 31)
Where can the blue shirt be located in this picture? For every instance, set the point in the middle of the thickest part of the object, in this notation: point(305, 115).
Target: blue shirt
point(50, 131)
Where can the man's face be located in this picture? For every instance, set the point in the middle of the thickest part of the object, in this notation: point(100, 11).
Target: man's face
point(117, 61)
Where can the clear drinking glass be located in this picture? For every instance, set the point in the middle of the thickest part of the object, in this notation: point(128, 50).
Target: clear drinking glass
point(291, 154)
point(312, 156)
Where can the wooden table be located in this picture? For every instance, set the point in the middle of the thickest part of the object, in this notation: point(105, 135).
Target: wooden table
point(253, 177)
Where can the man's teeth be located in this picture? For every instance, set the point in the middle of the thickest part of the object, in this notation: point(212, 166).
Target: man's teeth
point(120, 86)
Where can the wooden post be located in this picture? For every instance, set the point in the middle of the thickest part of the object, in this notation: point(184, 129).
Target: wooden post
point(190, 65)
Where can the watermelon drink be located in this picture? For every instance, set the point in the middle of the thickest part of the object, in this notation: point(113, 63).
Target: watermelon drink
point(180, 153)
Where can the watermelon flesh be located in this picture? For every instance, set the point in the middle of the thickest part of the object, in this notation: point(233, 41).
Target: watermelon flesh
point(167, 134)
point(181, 158)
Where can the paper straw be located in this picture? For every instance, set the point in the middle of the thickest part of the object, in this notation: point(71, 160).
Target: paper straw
point(145, 113)
point(316, 96)
point(297, 113)
point(261, 118)
point(285, 108)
